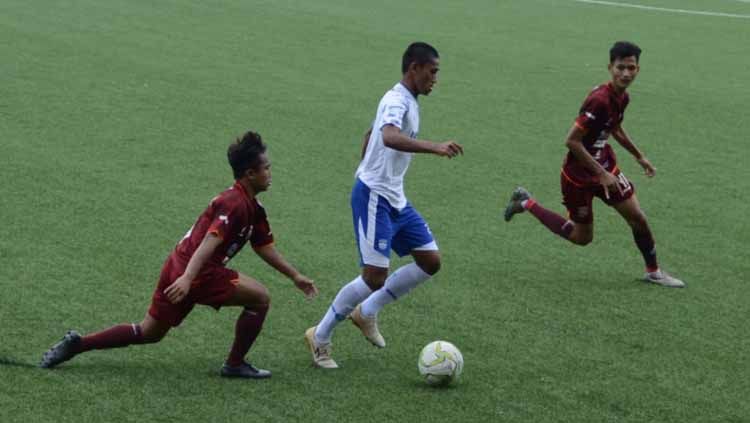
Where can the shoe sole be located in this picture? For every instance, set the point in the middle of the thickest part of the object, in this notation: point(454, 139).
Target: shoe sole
point(664, 285)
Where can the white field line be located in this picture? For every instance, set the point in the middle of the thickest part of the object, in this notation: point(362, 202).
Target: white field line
point(664, 9)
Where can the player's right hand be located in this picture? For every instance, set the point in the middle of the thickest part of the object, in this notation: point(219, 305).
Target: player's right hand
point(449, 149)
point(178, 290)
point(306, 285)
point(647, 166)
point(610, 183)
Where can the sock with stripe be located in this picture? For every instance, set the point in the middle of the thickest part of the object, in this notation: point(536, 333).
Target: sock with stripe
point(114, 337)
point(398, 284)
point(553, 221)
point(348, 297)
point(247, 328)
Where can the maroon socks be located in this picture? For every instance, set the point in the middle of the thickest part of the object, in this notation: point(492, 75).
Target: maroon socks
point(246, 330)
point(114, 337)
point(645, 242)
point(553, 221)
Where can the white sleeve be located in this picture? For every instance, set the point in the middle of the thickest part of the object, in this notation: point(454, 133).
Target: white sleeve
point(393, 112)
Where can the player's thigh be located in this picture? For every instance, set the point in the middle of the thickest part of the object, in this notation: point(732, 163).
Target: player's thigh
point(163, 312)
point(373, 226)
point(630, 210)
point(578, 200)
point(247, 292)
point(412, 233)
point(429, 261)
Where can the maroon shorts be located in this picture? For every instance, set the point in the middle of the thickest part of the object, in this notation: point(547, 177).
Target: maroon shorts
point(577, 198)
point(213, 287)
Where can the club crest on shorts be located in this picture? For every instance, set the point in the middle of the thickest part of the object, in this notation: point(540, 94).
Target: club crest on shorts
point(382, 244)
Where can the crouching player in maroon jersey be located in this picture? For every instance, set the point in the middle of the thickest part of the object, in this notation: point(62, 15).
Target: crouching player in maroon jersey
point(195, 272)
point(590, 168)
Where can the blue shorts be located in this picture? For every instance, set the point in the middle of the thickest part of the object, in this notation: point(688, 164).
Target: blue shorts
point(379, 227)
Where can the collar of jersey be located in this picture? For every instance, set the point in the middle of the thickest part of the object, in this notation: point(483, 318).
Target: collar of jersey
point(613, 93)
point(242, 189)
point(405, 88)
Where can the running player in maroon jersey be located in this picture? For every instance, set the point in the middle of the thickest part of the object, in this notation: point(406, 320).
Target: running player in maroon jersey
point(195, 272)
point(590, 168)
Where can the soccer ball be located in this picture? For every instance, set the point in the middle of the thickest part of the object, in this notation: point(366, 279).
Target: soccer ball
point(440, 363)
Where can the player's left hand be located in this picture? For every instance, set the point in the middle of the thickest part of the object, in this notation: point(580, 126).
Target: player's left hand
point(647, 166)
point(306, 285)
point(449, 149)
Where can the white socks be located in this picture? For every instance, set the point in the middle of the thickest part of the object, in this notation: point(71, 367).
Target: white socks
point(396, 286)
point(348, 297)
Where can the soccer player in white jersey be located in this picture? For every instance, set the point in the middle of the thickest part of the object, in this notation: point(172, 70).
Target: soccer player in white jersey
point(384, 220)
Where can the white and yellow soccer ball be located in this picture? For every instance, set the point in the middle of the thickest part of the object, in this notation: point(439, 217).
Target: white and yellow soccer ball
point(440, 363)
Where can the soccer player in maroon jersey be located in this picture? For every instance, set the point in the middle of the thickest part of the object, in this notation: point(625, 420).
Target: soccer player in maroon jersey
point(590, 168)
point(195, 272)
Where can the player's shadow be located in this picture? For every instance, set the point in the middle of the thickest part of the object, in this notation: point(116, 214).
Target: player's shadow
point(12, 362)
point(423, 386)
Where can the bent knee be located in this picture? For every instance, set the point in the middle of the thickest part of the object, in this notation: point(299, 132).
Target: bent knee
point(581, 240)
point(265, 298)
point(374, 277)
point(153, 338)
point(430, 266)
point(262, 299)
point(153, 335)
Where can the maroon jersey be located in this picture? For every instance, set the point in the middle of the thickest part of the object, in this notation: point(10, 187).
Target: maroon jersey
point(235, 218)
point(601, 113)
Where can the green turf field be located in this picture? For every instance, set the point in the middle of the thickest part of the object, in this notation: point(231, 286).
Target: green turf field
point(115, 117)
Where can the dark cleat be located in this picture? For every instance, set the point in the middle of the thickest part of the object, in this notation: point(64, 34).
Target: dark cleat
point(514, 205)
point(244, 370)
point(63, 351)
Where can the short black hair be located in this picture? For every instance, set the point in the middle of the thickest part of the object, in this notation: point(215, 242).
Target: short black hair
point(623, 49)
point(244, 153)
point(419, 53)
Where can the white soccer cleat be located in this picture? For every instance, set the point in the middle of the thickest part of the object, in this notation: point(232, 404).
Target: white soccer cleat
point(663, 278)
point(321, 353)
point(368, 326)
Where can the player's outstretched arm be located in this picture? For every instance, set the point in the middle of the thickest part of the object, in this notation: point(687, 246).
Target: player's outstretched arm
point(574, 142)
point(179, 289)
point(393, 138)
point(627, 143)
point(270, 255)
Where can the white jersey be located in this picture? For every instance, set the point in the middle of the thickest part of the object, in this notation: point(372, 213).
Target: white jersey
point(383, 169)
